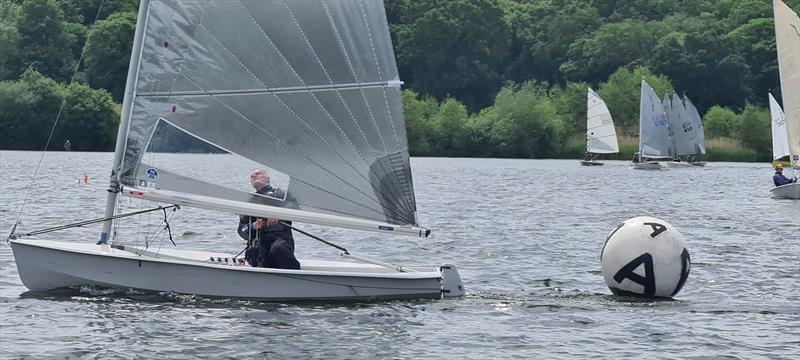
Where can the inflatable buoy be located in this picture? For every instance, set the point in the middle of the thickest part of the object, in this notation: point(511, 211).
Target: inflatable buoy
point(645, 257)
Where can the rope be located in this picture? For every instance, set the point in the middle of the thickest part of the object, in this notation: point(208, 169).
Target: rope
point(55, 122)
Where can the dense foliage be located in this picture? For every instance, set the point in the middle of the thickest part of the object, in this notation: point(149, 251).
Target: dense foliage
point(483, 77)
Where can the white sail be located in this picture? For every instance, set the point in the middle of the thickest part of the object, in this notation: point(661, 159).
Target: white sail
point(653, 132)
point(668, 111)
point(693, 116)
point(780, 142)
point(601, 136)
point(787, 41)
point(307, 89)
point(683, 131)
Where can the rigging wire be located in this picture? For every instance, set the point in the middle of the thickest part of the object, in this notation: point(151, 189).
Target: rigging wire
point(14, 236)
point(58, 116)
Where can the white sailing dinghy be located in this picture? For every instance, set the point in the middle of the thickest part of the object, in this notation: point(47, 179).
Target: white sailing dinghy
point(601, 136)
point(780, 139)
point(654, 139)
point(699, 139)
point(684, 134)
point(308, 89)
point(675, 118)
point(787, 41)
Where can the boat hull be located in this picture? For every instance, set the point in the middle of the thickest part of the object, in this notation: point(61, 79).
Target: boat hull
point(591, 163)
point(788, 191)
point(650, 165)
point(45, 265)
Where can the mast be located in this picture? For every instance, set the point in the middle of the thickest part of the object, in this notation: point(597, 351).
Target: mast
point(127, 106)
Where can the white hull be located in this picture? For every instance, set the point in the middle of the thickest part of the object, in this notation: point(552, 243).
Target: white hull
point(45, 265)
point(788, 191)
point(650, 165)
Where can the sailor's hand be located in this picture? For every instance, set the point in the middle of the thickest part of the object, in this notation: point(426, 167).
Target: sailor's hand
point(271, 221)
point(258, 224)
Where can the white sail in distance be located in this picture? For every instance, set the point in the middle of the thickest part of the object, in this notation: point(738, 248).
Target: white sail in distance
point(780, 141)
point(787, 41)
point(306, 89)
point(693, 116)
point(601, 136)
point(683, 132)
point(653, 132)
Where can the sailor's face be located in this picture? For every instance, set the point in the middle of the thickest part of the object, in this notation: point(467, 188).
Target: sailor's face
point(259, 179)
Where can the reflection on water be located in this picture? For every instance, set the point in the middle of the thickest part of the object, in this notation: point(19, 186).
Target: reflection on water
point(525, 234)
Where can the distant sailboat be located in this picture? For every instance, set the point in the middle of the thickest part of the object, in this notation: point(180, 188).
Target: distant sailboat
point(684, 134)
point(780, 139)
point(698, 146)
point(601, 137)
point(654, 142)
point(787, 41)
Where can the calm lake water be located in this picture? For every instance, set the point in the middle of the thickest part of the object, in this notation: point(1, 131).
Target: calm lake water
point(526, 236)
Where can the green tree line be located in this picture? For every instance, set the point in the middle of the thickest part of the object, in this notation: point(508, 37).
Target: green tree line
point(503, 78)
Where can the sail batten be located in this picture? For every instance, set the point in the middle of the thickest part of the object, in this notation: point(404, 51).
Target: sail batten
point(308, 90)
point(295, 89)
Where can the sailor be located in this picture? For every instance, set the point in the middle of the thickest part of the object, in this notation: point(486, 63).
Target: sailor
point(779, 179)
point(269, 242)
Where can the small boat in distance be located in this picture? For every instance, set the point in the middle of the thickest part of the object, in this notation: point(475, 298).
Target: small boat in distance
point(699, 146)
point(686, 133)
point(654, 142)
point(601, 136)
point(780, 139)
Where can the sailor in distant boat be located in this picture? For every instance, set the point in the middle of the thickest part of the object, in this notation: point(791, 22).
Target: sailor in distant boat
point(269, 242)
point(779, 179)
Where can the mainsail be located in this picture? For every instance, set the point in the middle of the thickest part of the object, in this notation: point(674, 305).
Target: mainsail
point(780, 142)
point(787, 41)
point(668, 111)
point(653, 132)
point(308, 89)
point(601, 137)
point(682, 131)
point(696, 122)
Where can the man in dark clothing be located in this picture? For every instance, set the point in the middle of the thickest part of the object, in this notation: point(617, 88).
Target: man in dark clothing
point(269, 243)
point(778, 179)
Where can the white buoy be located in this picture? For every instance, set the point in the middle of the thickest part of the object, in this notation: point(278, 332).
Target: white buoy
point(645, 257)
